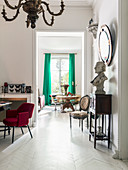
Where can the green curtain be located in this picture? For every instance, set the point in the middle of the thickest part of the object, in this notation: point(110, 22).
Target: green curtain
point(72, 73)
point(47, 79)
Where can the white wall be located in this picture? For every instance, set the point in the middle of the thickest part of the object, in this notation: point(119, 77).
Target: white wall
point(16, 42)
point(15, 52)
point(123, 79)
point(18, 45)
point(111, 85)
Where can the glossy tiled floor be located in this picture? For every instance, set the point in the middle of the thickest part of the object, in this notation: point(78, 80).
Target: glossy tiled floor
point(55, 147)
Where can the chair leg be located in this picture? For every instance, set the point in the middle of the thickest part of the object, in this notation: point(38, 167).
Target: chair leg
point(55, 107)
point(70, 121)
point(79, 122)
point(82, 125)
point(30, 131)
point(13, 134)
point(22, 130)
point(87, 122)
point(9, 130)
point(4, 131)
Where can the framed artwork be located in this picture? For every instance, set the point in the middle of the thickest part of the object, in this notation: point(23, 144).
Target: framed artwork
point(105, 44)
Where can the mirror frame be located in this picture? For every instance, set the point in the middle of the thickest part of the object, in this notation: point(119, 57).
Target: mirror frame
point(106, 59)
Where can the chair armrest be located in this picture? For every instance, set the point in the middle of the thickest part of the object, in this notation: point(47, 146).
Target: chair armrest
point(11, 113)
point(23, 118)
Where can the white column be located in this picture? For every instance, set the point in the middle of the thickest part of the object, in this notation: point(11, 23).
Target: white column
point(35, 78)
point(123, 78)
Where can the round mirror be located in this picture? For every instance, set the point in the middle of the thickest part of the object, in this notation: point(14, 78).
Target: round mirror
point(105, 45)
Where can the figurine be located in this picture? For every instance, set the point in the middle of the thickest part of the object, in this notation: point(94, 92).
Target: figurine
point(98, 81)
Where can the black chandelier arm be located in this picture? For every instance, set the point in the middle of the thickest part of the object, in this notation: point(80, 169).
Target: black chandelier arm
point(9, 19)
point(13, 7)
point(43, 14)
point(52, 13)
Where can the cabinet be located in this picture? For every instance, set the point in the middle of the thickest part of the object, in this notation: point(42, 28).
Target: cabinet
point(100, 108)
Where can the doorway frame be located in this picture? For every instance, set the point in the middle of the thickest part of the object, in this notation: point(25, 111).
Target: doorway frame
point(85, 45)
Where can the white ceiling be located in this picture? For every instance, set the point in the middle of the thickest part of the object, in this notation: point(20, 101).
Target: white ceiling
point(87, 3)
point(79, 2)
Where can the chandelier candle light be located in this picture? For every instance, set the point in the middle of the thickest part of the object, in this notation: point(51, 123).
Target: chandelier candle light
point(33, 8)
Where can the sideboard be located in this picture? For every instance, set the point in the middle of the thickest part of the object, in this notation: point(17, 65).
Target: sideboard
point(100, 107)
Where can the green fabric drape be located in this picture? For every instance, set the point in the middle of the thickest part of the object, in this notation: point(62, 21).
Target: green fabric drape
point(72, 73)
point(47, 79)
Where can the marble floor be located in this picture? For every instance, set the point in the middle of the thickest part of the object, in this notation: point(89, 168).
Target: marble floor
point(55, 147)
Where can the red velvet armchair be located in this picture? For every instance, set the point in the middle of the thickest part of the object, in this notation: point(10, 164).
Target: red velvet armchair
point(19, 118)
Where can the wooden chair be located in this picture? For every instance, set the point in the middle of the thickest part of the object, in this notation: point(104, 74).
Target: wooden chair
point(82, 113)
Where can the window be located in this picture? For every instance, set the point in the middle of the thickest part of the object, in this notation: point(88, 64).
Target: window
point(59, 72)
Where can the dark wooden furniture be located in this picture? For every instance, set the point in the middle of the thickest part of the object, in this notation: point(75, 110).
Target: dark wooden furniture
point(100, 108)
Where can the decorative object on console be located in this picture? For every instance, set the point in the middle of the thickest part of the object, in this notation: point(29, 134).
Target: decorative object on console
point(98, 81)
point(14, 88)
point(69, 94)
point(33, 8)
point(65, 88)
point(93, 27)
point(28, 89)
point(23, 88)
point(105, 44)
point(5, 87)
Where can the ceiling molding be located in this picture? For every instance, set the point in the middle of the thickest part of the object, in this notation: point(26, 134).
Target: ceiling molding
point(94, 3)
point(59, 51)
point(76, 3)
point(86, 3)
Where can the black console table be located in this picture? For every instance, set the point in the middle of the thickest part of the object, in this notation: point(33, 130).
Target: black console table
point(100, 106)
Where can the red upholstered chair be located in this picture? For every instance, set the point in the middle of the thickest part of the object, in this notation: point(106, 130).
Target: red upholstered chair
point(19, 118)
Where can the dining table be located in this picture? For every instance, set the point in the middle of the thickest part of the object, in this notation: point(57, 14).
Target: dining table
point(67, 102)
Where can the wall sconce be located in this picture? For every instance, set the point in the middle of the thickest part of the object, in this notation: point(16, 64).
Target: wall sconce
point(93, 27)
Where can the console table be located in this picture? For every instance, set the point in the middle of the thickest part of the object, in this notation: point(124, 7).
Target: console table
point(100, 106)
point(17, 96)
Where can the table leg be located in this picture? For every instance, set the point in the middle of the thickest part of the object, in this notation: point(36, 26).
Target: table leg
point(95, 132)
point(109, 116)
point(67, 105)
point(90, 131)
point(102, 123)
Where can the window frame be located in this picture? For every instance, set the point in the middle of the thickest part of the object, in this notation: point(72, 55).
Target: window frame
point(60, 57)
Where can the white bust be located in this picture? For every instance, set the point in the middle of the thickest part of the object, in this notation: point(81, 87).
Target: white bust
point(98, 81)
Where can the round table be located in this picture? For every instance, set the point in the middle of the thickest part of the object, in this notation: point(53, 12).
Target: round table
point(67, 103)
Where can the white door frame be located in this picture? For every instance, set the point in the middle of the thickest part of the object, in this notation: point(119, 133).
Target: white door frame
point(35, 63)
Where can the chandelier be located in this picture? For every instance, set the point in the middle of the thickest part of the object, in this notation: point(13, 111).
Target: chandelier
point(33, 8)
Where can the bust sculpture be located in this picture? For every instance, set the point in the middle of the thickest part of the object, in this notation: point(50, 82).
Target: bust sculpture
point(98, 81)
